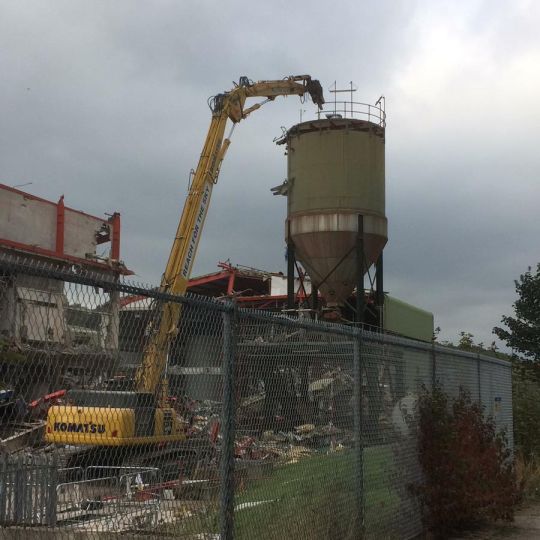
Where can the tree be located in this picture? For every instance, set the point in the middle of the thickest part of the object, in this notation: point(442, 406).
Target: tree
point(522, 334)
point(466, 341)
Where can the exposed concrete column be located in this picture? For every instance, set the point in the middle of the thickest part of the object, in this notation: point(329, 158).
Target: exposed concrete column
point(113, 330)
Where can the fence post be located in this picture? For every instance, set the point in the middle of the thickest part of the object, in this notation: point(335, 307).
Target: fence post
point(3, 488)
point(358, 427)
point(19, 490)
point(228, 426)
point(433, 367)
point(52, 494)
point(479, 372)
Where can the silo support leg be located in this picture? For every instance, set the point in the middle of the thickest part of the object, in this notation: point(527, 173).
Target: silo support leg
point(379, 295)
point(360, 268)
point(291, 260)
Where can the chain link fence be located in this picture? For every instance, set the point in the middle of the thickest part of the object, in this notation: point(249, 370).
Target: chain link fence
point(246, 425)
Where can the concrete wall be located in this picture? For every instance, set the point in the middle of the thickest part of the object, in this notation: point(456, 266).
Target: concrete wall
point(32, 309)
point(32, 221)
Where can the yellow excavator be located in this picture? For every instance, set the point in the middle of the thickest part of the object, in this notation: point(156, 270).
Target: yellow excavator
point(106, 418)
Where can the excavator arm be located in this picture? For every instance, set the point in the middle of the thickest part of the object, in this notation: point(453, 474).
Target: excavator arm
point(226, 106)
point(105, 418)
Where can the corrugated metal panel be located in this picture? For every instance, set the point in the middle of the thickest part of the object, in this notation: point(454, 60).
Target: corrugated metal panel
point(496, 394)
point(418, 369)
point(454, 372)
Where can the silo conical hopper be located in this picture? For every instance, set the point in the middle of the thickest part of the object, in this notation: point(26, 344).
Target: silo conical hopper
point(335, 174)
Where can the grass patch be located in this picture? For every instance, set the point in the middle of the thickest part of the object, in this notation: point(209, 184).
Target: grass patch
point(528, 476)
point(315, 498)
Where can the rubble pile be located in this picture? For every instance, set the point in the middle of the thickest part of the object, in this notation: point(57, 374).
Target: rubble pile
point(288, 447)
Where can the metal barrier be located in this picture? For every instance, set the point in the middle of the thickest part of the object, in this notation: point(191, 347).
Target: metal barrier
point(27, 490)
point(93, 502)
point(293, 428)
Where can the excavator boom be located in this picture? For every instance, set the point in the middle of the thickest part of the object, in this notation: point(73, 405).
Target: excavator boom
point(105, 418)
point(226, 106)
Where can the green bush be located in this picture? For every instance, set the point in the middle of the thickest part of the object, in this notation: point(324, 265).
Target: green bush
point(468, 470)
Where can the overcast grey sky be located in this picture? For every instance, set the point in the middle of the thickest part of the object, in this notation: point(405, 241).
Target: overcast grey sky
point(105, 102)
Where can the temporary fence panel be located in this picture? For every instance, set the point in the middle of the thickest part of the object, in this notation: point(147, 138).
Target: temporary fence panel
point(292, 427)
point(295, 445)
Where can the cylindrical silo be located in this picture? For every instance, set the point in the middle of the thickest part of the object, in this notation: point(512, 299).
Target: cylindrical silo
point(335, 174)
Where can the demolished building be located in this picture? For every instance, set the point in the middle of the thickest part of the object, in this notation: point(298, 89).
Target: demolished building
point(51, 334)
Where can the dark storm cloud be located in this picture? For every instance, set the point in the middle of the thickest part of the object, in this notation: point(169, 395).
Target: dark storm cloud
point(106, 103)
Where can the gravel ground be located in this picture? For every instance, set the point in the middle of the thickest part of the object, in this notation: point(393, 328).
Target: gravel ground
point(526, 526)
